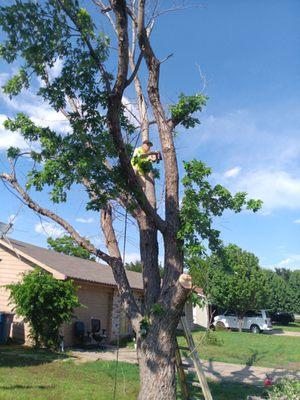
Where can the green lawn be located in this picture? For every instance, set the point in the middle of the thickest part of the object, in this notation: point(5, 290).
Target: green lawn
point(293, 327)
point(26, 378)
point(249, 349)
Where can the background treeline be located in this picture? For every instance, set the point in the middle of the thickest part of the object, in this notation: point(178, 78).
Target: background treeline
point(233, 279)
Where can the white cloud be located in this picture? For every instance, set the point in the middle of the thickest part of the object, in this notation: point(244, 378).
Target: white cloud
point(11, 218)
point(49, 229)
point(290, 262)
point(55, 71)
point(131, 111)
point(231, 173)
point(132, 257)
point(8, 139)
point(40, 113)
point(297, 221)
point(4, 76)
point(85, 220)
point(276, 188)
point(260, 137)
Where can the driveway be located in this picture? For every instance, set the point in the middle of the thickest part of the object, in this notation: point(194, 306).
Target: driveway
point(214, 370)
point(281, 332)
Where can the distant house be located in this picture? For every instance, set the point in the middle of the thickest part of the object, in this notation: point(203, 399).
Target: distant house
point(97, 289)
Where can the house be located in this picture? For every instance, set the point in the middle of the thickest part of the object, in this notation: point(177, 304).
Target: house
point(95, 282)
point(202, 315)
point(97, 289)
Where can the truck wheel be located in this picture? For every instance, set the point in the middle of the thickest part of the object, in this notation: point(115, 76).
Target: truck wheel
point(255, 329)
point(220, 326)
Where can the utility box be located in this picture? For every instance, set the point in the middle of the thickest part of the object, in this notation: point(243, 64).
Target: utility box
point(6, 320)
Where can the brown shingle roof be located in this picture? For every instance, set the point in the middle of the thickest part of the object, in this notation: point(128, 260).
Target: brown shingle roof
point(75, 267)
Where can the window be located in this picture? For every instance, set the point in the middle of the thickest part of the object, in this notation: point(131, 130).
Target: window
point(230, 313)
point(255, 314)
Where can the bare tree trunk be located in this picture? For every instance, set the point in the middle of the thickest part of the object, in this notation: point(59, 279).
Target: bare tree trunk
point(149, 259)
point(240, 324)
point(157, 361)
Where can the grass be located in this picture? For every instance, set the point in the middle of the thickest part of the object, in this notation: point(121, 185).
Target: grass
point(32, 378)
point(26, 373)
point(292, 327)
point(249, 349)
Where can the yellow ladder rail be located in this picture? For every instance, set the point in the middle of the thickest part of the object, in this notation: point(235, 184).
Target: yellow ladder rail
point(196, 361)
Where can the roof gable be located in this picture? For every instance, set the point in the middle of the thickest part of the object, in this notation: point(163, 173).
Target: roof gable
point(70, 266)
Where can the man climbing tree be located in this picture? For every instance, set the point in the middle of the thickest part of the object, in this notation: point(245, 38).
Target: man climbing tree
point(97, 149)
point(142, 160)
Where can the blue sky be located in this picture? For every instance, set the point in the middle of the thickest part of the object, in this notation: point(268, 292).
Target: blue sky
point(249, 54)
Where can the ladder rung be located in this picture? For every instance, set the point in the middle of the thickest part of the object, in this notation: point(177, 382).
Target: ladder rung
point(187, 366)
point(184, 348)
point(195, 384)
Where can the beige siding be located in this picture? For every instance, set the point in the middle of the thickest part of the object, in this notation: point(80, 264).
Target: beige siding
point(201, 315)
point(188, 312)
point(11, 269)
point(97, 301)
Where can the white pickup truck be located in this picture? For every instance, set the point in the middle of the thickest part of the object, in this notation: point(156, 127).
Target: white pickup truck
point(254, 321)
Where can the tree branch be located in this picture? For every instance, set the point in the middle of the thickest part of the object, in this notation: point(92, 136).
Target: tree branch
point(114, 260)
point(85, 39)
point(136, 68)
point(127, 297)
point(11, 179)
point(113, 115)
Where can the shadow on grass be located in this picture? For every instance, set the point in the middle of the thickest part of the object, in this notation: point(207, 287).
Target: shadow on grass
point(22, 387)
point(228, 390)
point(21, 358)
point(254, 357)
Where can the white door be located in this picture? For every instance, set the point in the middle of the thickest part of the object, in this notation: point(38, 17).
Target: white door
point(231, 319)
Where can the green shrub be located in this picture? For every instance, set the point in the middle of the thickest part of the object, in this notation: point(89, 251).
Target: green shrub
point(211, 338)
point(286, 389)
point(45, 303)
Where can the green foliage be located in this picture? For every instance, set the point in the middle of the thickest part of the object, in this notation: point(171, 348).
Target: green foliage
point(201, 203)
point(234, 280)
point(284, 273)
point(144, 325)
point(286, 389)
point(16, 83)
point(211, 338)
point(284, 290)
point(182, 112)
point(294, 285)
point(45, 303)
point(157, 309)
point(195, 299)
point(13, 152)
point(279, 296)
point(86, 23)
point(67, 245)
point(41, 34)
point(136, 266)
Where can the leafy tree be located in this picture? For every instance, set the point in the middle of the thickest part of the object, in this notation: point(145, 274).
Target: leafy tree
point(70, 247)
point(283, 286)
point(45, 303)
point(294, 285)
point(136, 266)
point(233, 280)
point(279, 293)
point(96, 151)
point(284, 273)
